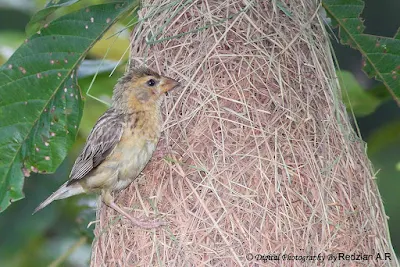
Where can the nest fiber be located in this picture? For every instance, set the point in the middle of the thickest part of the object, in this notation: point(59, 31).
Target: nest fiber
point(257, 155)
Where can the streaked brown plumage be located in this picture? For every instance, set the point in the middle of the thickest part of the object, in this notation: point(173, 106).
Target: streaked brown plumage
point(121, 142)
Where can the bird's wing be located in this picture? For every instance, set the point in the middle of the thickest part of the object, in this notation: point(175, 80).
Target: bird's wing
point(101, 141)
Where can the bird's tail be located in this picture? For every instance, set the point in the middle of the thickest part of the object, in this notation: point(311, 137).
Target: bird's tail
point(63, 192)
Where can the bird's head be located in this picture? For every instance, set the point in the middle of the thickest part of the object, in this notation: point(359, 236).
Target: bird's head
point(142, 87)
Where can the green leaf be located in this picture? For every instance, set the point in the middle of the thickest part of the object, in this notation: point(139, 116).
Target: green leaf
point(355, 97)
point(39, 19)
point(381, 54)
point(40, 101)
point(397, 35)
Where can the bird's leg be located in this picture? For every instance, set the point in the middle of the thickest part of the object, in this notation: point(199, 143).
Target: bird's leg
point(109, 201)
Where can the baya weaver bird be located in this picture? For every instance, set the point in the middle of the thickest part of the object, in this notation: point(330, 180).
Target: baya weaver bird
point(121, 142)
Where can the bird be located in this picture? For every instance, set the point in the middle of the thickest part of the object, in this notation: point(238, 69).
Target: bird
point(121, 142)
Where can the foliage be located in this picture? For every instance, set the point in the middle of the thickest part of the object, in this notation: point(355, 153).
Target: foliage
point(40, 100)
point(381, 54)
point(355, 97)
point(39, 19)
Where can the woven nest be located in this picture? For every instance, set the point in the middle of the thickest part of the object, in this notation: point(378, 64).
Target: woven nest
point(260, 158)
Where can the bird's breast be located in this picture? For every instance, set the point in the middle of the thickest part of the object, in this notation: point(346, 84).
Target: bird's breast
point(133, 160)
point(134, 152)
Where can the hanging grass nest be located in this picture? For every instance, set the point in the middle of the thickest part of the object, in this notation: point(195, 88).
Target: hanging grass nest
point(260, 155)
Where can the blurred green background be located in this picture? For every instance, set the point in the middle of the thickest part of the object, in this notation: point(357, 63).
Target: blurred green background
point(58, 235)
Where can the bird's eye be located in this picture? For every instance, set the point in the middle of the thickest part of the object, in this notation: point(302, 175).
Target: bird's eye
point(151, 82)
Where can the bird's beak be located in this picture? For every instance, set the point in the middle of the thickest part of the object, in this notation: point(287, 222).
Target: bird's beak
point(168, 84)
